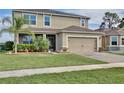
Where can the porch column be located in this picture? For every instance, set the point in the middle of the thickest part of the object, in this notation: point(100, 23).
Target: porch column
point(97, 44)
point(44, 36)
point(18, 39)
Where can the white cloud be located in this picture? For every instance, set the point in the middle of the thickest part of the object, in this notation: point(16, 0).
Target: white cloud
point(5, 36)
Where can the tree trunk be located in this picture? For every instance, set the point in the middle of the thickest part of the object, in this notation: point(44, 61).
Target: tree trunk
point(15, 41)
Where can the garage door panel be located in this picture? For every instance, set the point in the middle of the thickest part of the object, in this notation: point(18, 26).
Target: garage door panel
point(80, 44)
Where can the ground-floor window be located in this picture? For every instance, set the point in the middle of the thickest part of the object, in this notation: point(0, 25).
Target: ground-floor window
point(122, 40)
point(25, 39)
point(114, 40)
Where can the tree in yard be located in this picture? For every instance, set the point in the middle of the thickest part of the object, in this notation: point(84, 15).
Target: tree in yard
point(16, 28)
point(110, 20)
point(102, 26)
point(121, 25)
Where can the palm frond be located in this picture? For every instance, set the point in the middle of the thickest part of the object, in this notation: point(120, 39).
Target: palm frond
point(9, 30)
point(18, 22)
point(7, 20)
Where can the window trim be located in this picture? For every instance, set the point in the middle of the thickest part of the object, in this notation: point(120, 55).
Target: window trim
point(81, 22)
point(33, 15)
point(44, 21)
point(111, 41)
point(121, 40)
point(27, 36)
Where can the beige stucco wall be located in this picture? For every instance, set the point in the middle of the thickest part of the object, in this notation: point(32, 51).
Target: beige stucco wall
point(59, 41)
point(107, 40)
point(119, 40)
point(62, 22)
point(17, 14)
point(57, 22)
point(39, 21)
point(63, 38)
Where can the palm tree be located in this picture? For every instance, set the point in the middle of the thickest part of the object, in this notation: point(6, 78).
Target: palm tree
point(16, 28)
point(121, 25)
point(6, 20)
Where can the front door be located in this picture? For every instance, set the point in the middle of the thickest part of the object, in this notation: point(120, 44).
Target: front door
point(52, 42)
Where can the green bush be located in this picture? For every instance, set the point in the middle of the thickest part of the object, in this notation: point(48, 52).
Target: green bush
point(25, 47)
point(8, 45)
point(44, 45)
point(41, 44)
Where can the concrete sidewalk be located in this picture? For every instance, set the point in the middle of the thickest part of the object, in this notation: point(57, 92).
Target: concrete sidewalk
point(27, 72)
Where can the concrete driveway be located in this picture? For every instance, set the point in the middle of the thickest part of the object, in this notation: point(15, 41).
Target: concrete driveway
point(107, 57)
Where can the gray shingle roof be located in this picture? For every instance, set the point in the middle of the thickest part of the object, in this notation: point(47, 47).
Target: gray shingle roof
point(54, 12)
point(76, 28)
point(45, 30)
point(114, 31)
point(72, 29)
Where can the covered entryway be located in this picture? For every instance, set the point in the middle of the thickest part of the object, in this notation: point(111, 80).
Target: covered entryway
point(82, 44)
point(52, 43)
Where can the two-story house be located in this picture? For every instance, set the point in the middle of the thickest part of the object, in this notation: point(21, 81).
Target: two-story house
point(63, 30)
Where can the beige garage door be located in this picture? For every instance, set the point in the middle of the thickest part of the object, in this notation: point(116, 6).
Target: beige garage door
point(80, 44)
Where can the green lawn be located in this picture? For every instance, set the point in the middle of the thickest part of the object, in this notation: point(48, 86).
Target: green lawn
point(99, 76)
point(12, 62)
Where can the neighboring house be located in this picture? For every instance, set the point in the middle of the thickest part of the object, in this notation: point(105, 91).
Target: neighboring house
point(113, 40)
point(63, 30)
point(1, 46)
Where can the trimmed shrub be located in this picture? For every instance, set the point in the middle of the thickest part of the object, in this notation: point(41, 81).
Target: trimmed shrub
point(41, 44)
point(44, 45)
point(25, 47)
point(8, 45)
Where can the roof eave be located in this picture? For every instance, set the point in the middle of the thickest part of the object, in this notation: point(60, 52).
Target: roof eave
point(78, 16)
point(86, 32)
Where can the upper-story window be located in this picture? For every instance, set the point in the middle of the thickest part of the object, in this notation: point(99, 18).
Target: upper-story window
point(114, 40)
point(82, 22)
point(30, 19)
point(47, 21)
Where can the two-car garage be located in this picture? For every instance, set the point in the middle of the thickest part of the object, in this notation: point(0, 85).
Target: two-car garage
point(79, 41)
point(82, 44)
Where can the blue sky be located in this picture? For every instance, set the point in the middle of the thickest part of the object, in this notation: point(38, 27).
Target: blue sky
point(4, 12)
point(95, 15)
point(6, 36)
